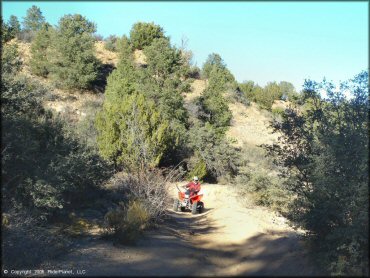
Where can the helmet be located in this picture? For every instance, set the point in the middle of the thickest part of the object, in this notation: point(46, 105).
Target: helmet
point(195, 178)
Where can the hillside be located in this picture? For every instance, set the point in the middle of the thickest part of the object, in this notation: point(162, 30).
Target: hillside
point(232, 237)
point(122, 156)
point(249, 125)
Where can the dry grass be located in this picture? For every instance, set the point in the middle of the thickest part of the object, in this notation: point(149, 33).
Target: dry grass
point(104, 55)
point(250, 125)
point(280, 104)
point(73, 102)
point(197, 87)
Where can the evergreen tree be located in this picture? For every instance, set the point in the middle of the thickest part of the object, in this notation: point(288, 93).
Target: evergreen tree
point(324, 153)
point(155, 88)
point(5, 32)
point(214, 60)
point(133, 132)
point(40, 48)
point(74, 61)
point(33, 20)
point(142, 34)
point(162, 59)
point(14, 26)
point(214, 108)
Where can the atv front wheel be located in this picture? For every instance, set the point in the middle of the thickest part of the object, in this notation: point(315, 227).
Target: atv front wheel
point(194, 208)
point(201, 207)
point(176, 204)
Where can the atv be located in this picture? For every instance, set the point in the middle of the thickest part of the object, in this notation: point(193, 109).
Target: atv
point(185, 203)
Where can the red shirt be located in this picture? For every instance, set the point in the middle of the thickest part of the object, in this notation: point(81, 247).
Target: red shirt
point(193, 187)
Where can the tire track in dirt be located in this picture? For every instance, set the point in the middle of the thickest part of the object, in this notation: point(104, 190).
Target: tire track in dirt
point(227, 239)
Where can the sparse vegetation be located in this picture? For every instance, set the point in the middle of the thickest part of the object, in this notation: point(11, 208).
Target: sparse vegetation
point(266, 96)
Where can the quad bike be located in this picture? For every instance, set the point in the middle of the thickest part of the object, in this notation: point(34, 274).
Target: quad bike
point(185, 202)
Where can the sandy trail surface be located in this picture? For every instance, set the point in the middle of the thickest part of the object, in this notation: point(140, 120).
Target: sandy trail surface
point(229, 238)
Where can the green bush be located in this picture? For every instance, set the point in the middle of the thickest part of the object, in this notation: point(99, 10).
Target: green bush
point(214, 61)
point(325, 154)
point(278, 111)
point(214, 109)
point(133, 132)
point(142, 34)
point(266, 96)
point(10, 61)
point(158, 88)
point(111, 43)
point(65, 171)
point(197, 167)
point(209, 145)
point(5, 32)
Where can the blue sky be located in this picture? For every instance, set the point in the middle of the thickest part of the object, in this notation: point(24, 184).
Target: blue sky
point(259, 41)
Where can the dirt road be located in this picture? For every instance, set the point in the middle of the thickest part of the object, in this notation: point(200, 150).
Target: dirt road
point(229, 238)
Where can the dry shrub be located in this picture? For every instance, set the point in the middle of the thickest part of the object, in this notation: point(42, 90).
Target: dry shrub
point(146, 200)
point(27, 241)
point(150, 187)
point(127, 222)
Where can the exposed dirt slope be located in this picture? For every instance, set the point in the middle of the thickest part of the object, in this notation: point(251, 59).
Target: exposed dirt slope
point(227, 239)
point(250, 125)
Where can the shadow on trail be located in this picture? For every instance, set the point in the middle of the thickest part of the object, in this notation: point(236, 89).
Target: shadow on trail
point(174, 249)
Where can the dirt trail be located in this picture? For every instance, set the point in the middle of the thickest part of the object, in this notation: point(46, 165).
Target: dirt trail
point(227, 239)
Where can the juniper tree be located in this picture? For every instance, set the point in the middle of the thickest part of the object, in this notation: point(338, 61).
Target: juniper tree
point(40, 51)
point(142, 34)
point(14, 26)
point(34, 19)
point(73, 58)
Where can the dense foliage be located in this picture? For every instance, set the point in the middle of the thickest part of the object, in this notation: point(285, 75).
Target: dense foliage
point(133, 132)
point(214, 157)
point(213, 105)
point(44, 169)
point(10, 29)
point(142, 34)
point(146, 101)
point(14, 26)
point(162, 60)
point(74, 64)
point(40, 48)
point(325, 153)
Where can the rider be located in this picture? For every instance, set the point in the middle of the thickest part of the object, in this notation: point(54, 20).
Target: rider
point(193, 187)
